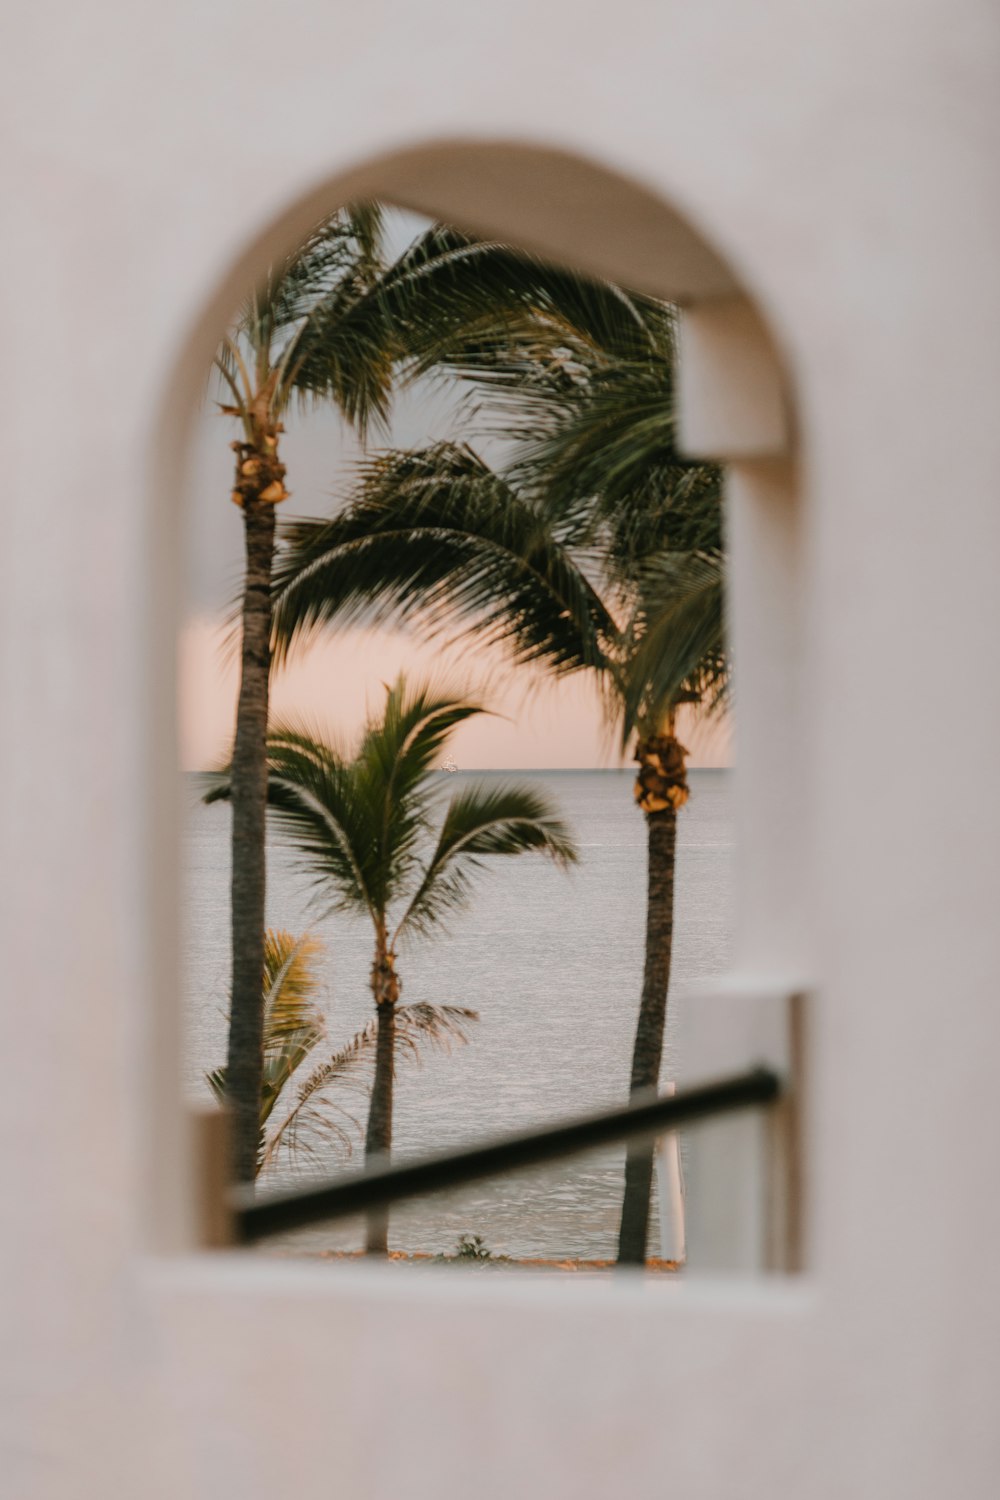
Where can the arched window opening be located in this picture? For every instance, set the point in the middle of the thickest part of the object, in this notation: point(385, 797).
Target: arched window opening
point(513, 450)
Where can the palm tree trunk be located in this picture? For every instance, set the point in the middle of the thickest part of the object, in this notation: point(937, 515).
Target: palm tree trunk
point(378, 1138)
point(244, 1063)
point(660, 790)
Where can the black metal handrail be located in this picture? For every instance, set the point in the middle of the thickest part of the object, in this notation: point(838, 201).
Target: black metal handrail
point(257, 1218)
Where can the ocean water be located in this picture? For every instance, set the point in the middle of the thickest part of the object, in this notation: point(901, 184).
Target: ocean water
point(553, 964)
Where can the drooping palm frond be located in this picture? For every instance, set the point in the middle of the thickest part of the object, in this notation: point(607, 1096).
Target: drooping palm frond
point(436, 537)
point(349, 242)
point(596, 455)
point(580, 375)
point(541, 382)
point(607, 469)
point(311, 796)
point(343, 353)
point(437, 533)
point(483, 822)
point(582, 386)
point(443, 1027)
point(467, 307)
point(318, 1121)
point(677, 642)
point(591, 432)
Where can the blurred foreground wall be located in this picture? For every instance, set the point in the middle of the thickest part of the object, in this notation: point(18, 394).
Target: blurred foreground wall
point(827, 172)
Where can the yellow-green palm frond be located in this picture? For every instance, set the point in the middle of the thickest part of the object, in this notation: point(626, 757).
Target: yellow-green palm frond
point(293, 1021)
point(317, 1124)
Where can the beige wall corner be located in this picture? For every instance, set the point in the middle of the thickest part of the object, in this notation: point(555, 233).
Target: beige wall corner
point(732, 397)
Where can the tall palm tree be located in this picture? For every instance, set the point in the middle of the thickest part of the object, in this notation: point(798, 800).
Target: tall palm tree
point(599, 452)
point(675, 656)
point(366, 831)
point(598, 546)
point(314, 329)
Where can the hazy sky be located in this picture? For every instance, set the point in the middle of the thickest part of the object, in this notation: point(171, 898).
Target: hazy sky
point(545, 724)
point(535, 723)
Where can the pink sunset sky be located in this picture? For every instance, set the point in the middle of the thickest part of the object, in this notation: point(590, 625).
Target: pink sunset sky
point(333, 685)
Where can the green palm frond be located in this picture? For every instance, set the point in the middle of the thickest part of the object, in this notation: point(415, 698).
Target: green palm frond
point(484, 822)
point(678, 645)
point(438, 534)
point(391, 779)
point(593, 433)
point(344, 353)
point(315, 802)
point(316, 327)
point(401, 744)
point(545, 383)
point(358, 824)
point(312, 799)
point(599, 458)
point(609, 471)
point(467, 307)
point(349, 242)
point(361, 827)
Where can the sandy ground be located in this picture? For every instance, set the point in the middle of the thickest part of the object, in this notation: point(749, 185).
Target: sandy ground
point(493, 1262)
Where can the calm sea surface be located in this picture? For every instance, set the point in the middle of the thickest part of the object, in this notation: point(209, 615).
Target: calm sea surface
point(553, 964)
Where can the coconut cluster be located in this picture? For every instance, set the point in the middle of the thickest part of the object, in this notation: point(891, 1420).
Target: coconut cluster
point(260, 475)
point(661, 782)
point(386, 984)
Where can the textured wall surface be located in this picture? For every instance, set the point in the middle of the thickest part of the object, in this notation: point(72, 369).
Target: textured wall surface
point(839, 159)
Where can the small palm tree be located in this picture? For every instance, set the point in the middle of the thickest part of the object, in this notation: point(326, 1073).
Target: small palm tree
point(365, 830)
point(314, 1123)
point(294, 1026)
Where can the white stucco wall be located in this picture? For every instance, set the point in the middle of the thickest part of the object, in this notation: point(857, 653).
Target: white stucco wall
point(841, 158)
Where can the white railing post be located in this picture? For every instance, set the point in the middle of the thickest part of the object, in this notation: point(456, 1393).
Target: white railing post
point(743, 1203)
point(670, 1192)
